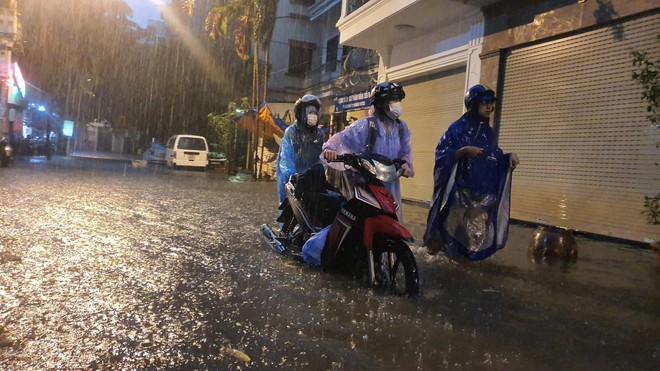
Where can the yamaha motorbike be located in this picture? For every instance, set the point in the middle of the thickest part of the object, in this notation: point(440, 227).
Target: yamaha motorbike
point(365, 238)
point(6, 153)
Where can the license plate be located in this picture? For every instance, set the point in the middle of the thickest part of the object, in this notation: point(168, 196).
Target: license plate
point(190, 157)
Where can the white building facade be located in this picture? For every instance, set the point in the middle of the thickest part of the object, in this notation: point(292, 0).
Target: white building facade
point(432, 48)
point(568, 106)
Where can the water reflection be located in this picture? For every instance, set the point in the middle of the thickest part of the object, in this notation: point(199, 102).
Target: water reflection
point(162, 269)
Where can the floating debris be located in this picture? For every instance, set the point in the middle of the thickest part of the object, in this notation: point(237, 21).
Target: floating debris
point(236, 354)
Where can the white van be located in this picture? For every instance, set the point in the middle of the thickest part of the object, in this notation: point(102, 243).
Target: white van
point(186, 150)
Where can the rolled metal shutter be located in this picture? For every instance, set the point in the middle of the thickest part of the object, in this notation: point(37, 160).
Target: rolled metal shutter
point(577, 121)
point(431, 104)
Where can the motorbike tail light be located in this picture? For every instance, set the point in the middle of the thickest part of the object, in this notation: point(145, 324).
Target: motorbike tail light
point(385, 198)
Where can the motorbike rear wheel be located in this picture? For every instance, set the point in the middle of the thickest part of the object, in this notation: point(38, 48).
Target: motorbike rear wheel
point(395, 267)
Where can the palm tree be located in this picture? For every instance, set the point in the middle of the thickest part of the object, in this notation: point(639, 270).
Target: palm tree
point(250, 24)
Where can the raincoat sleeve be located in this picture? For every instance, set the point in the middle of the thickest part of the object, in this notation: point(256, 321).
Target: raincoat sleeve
point(353, 139)
point(286, 165)
point(445, 152)
point(406, 152)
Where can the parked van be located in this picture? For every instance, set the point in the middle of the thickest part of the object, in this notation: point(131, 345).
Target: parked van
point(186, 150)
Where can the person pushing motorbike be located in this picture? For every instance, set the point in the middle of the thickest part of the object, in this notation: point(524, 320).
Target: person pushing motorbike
point(381, 132)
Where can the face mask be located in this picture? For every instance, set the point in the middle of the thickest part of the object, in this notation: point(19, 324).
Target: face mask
point(396, 109)
point(312, 119)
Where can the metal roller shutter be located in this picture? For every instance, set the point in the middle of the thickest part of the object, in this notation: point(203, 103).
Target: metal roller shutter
point(431, 104)
point(575, 117)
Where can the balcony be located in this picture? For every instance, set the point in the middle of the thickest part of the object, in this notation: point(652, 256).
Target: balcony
point(397, 21)
point(353, 5)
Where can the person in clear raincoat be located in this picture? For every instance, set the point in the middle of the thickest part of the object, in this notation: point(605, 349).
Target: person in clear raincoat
point(469, 215)
point(391, 138)
point(301, 143)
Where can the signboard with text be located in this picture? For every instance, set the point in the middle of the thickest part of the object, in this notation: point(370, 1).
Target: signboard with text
point(353, 101)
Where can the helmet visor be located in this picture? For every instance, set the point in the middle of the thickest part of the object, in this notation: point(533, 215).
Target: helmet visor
point(487, 97)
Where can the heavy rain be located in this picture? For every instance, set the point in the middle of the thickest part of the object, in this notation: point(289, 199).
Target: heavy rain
point(107, 266)
point(111, 258)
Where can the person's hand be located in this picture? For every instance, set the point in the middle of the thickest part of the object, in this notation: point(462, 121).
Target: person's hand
point(469, 151)
point(407, 171)
point(329, 154)
point(513, 161)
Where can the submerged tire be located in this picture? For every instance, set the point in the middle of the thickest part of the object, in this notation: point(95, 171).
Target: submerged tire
point(395, 267)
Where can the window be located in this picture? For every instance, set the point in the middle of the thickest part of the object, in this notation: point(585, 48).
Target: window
point(304, 2)
point(332, 47)
point(192, 143)
point(300, 57)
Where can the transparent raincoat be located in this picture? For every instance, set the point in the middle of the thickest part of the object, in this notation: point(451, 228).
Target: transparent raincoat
point(299, 150)
point(392, 141)
point(469, 213)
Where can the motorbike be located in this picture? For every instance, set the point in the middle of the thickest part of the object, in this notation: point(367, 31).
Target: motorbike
point(6, 153)
point(365, 238)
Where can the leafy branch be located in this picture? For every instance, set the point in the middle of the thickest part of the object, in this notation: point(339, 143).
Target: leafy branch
point(647, 73)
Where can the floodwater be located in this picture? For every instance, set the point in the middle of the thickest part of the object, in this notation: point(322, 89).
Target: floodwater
point(107, 267)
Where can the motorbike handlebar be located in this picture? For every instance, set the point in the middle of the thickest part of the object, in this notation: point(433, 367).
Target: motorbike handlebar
point(349, 158)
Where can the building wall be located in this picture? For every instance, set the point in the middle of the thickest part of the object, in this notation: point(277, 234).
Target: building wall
point(9, 31)
point(587, 159)
point(519, 22)
point(292, 23)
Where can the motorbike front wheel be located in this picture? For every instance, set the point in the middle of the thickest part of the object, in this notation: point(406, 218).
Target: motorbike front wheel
point(395, 267)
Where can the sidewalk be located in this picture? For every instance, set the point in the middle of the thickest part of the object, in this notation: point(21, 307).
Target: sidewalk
point(105, 156)
point(594, 253)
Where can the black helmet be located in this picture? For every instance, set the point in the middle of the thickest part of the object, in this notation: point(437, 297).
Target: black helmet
point(302, 103)
point(479, 94)
point(384, 92)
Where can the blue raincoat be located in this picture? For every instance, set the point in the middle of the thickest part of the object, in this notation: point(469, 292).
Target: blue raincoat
point(299, 150)
point(392, 141)
point(469, 212)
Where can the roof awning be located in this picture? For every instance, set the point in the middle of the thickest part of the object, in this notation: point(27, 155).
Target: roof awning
point(263, 122)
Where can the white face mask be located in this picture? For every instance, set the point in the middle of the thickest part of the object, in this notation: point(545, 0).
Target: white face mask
point(312, 119)
point(396, 109)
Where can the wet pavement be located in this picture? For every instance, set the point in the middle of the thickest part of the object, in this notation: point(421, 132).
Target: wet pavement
point(105, 266)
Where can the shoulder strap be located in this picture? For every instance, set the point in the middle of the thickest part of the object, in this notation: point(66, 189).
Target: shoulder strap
point(373, 134)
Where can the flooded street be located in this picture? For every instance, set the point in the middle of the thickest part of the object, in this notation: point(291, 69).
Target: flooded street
point(107, 267)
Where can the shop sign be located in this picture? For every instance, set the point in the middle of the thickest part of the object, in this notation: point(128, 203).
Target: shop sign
point(352, 102)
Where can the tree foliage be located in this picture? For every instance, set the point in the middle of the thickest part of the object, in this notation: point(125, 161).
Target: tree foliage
point(97, 64)
point(227, 130)
point(647, 73)
point(249, 24)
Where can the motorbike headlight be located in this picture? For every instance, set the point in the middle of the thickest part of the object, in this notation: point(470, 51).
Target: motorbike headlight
point(385, 173)
point(369, 166)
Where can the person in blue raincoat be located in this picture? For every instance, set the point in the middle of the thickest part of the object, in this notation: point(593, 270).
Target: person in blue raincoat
point(301, 144)
point(469, 215)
